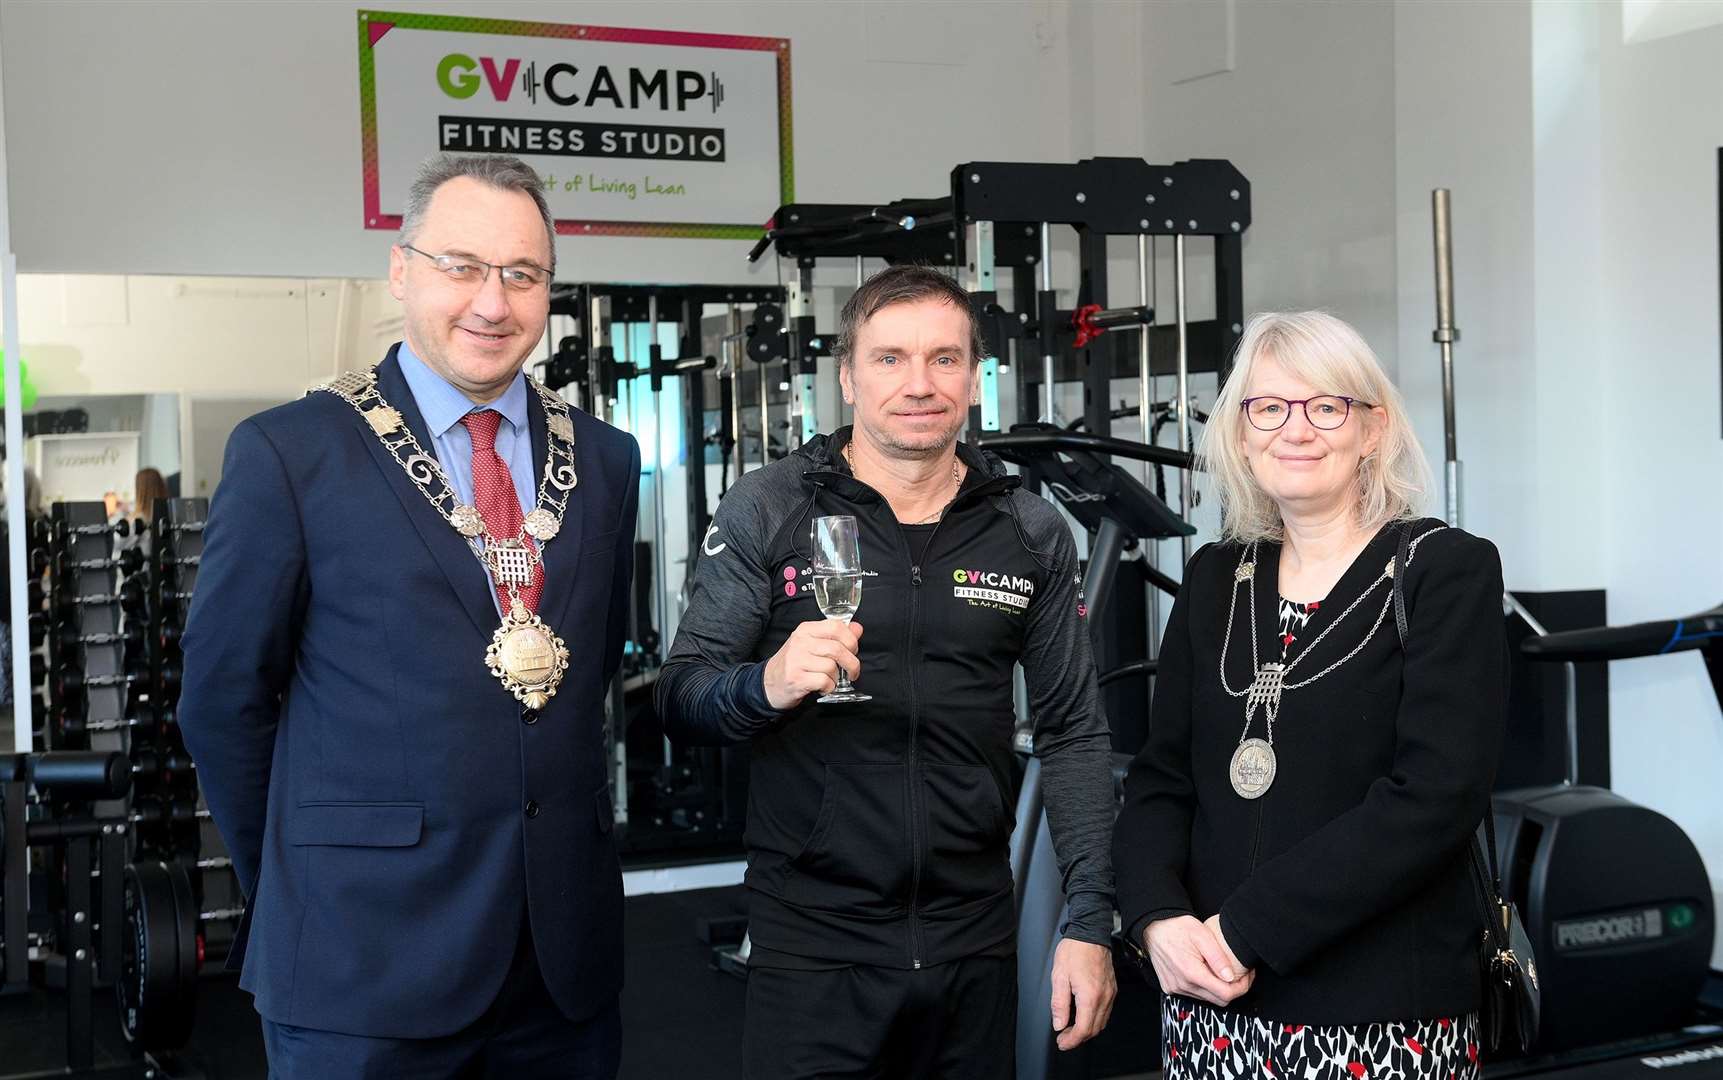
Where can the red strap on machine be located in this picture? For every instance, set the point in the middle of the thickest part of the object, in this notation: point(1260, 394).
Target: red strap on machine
point(1087, 331)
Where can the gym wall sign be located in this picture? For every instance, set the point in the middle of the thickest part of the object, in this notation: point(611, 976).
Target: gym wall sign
point(634, 132)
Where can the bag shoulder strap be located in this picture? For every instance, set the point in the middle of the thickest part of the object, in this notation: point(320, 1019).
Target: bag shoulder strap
point(1489, 882)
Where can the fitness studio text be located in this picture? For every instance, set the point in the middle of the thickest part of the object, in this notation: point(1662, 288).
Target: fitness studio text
point(482, 135)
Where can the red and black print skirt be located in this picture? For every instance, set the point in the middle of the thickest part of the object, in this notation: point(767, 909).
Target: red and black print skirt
point(1201, 1042)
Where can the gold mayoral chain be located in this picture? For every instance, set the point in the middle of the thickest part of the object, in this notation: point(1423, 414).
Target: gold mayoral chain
point(1253, 766)
point(524, 655)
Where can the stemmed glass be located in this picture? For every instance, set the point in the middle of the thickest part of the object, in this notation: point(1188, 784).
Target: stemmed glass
point(837, 586)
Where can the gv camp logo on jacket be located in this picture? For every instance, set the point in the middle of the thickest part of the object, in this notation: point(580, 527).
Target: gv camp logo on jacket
point(986, 588)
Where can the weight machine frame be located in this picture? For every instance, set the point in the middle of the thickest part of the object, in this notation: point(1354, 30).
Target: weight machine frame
point(598, 365)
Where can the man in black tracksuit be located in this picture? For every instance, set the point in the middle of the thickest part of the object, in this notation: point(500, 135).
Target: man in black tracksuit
point(881, 913)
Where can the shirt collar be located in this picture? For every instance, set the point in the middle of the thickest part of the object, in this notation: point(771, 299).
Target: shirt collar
point(442, 404)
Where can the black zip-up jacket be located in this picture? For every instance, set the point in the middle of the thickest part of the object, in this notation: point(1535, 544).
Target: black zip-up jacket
point(877, 832)
point(1346, 884)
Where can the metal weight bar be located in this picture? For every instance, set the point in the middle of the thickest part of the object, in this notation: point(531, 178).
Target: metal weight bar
point(733, 351)
point(1445, 335)
point(1048, 305)
point(1184, 402)
point(1146, 394)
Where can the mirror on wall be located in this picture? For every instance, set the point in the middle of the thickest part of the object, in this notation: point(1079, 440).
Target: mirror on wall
point(115, 448)
point(133, 383)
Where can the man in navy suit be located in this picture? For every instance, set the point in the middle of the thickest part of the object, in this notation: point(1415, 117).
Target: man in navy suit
point(425, 846)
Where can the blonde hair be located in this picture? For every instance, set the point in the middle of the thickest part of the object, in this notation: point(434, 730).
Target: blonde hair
point(1325, 352)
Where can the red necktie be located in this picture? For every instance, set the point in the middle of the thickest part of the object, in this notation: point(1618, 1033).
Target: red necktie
point(494, 496)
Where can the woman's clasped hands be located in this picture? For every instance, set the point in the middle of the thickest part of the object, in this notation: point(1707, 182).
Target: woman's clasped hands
point(1192, 959)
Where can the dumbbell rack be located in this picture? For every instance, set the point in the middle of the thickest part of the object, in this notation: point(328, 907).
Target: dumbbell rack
point(190, 840)
point(87, 663)
point(175, 536)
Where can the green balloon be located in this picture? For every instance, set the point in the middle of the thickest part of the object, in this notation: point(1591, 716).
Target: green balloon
point(29, 388)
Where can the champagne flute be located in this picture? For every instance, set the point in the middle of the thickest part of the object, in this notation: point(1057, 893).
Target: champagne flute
point(837, 586)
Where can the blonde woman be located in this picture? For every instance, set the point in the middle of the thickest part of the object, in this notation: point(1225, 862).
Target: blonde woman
point(1292, 851)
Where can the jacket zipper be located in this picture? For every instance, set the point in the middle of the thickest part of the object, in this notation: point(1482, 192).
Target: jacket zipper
point(913, 773)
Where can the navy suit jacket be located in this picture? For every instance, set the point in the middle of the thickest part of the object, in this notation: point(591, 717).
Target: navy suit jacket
point(370, 776)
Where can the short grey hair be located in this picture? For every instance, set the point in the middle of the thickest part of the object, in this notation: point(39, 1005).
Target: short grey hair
point(500, 171)
point(903, 284)
point(1326, 352)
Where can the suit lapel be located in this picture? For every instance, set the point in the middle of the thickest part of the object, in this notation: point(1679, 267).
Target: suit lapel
point(562, 554)
point(465, 573)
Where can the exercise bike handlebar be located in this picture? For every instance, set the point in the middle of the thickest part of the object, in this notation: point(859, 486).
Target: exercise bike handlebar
point(1020, 446)
point(1625, 642)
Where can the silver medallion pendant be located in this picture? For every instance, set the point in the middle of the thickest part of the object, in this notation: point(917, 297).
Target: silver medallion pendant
point(1252, 770)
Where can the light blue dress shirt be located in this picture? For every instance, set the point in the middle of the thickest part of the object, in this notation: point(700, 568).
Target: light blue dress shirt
point(443, 406)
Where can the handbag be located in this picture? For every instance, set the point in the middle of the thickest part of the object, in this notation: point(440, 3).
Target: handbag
point(1512, 999)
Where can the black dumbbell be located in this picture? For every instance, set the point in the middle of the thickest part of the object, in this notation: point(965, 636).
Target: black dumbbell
point(170, 679)
point(164, 527)
point(67, 604)
point(72, 725)
point(158, 765)
point(121, 528)
point(173, 596)
point(156, 810)
point(73, 680)
point(170, 634)
point(129, 561)
point(133, 637)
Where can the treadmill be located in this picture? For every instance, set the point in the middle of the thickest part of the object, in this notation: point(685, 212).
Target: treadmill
point(1616, 900)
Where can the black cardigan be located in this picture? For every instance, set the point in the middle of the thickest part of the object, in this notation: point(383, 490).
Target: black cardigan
point(1345, 886)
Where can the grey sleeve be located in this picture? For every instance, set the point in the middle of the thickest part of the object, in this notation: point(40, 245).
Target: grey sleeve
point(711, 691)
point(1073, 743)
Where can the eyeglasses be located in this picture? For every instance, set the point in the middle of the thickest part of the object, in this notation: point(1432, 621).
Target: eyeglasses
point(466, 270)
point(1326, 412)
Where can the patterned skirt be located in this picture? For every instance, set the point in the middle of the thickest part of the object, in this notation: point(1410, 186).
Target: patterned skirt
point(1201, 1042)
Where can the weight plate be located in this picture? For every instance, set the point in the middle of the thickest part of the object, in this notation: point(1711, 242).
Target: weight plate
point(157, 983)
point(185, 906)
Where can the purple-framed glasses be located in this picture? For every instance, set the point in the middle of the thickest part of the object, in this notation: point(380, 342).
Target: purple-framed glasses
point(1326, 412)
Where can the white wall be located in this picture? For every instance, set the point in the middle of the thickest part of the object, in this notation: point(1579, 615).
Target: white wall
point(1659, 495)
point(1307, 114)
point(221, 138)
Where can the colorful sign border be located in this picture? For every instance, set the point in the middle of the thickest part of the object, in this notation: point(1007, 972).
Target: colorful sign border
point(374, 24)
